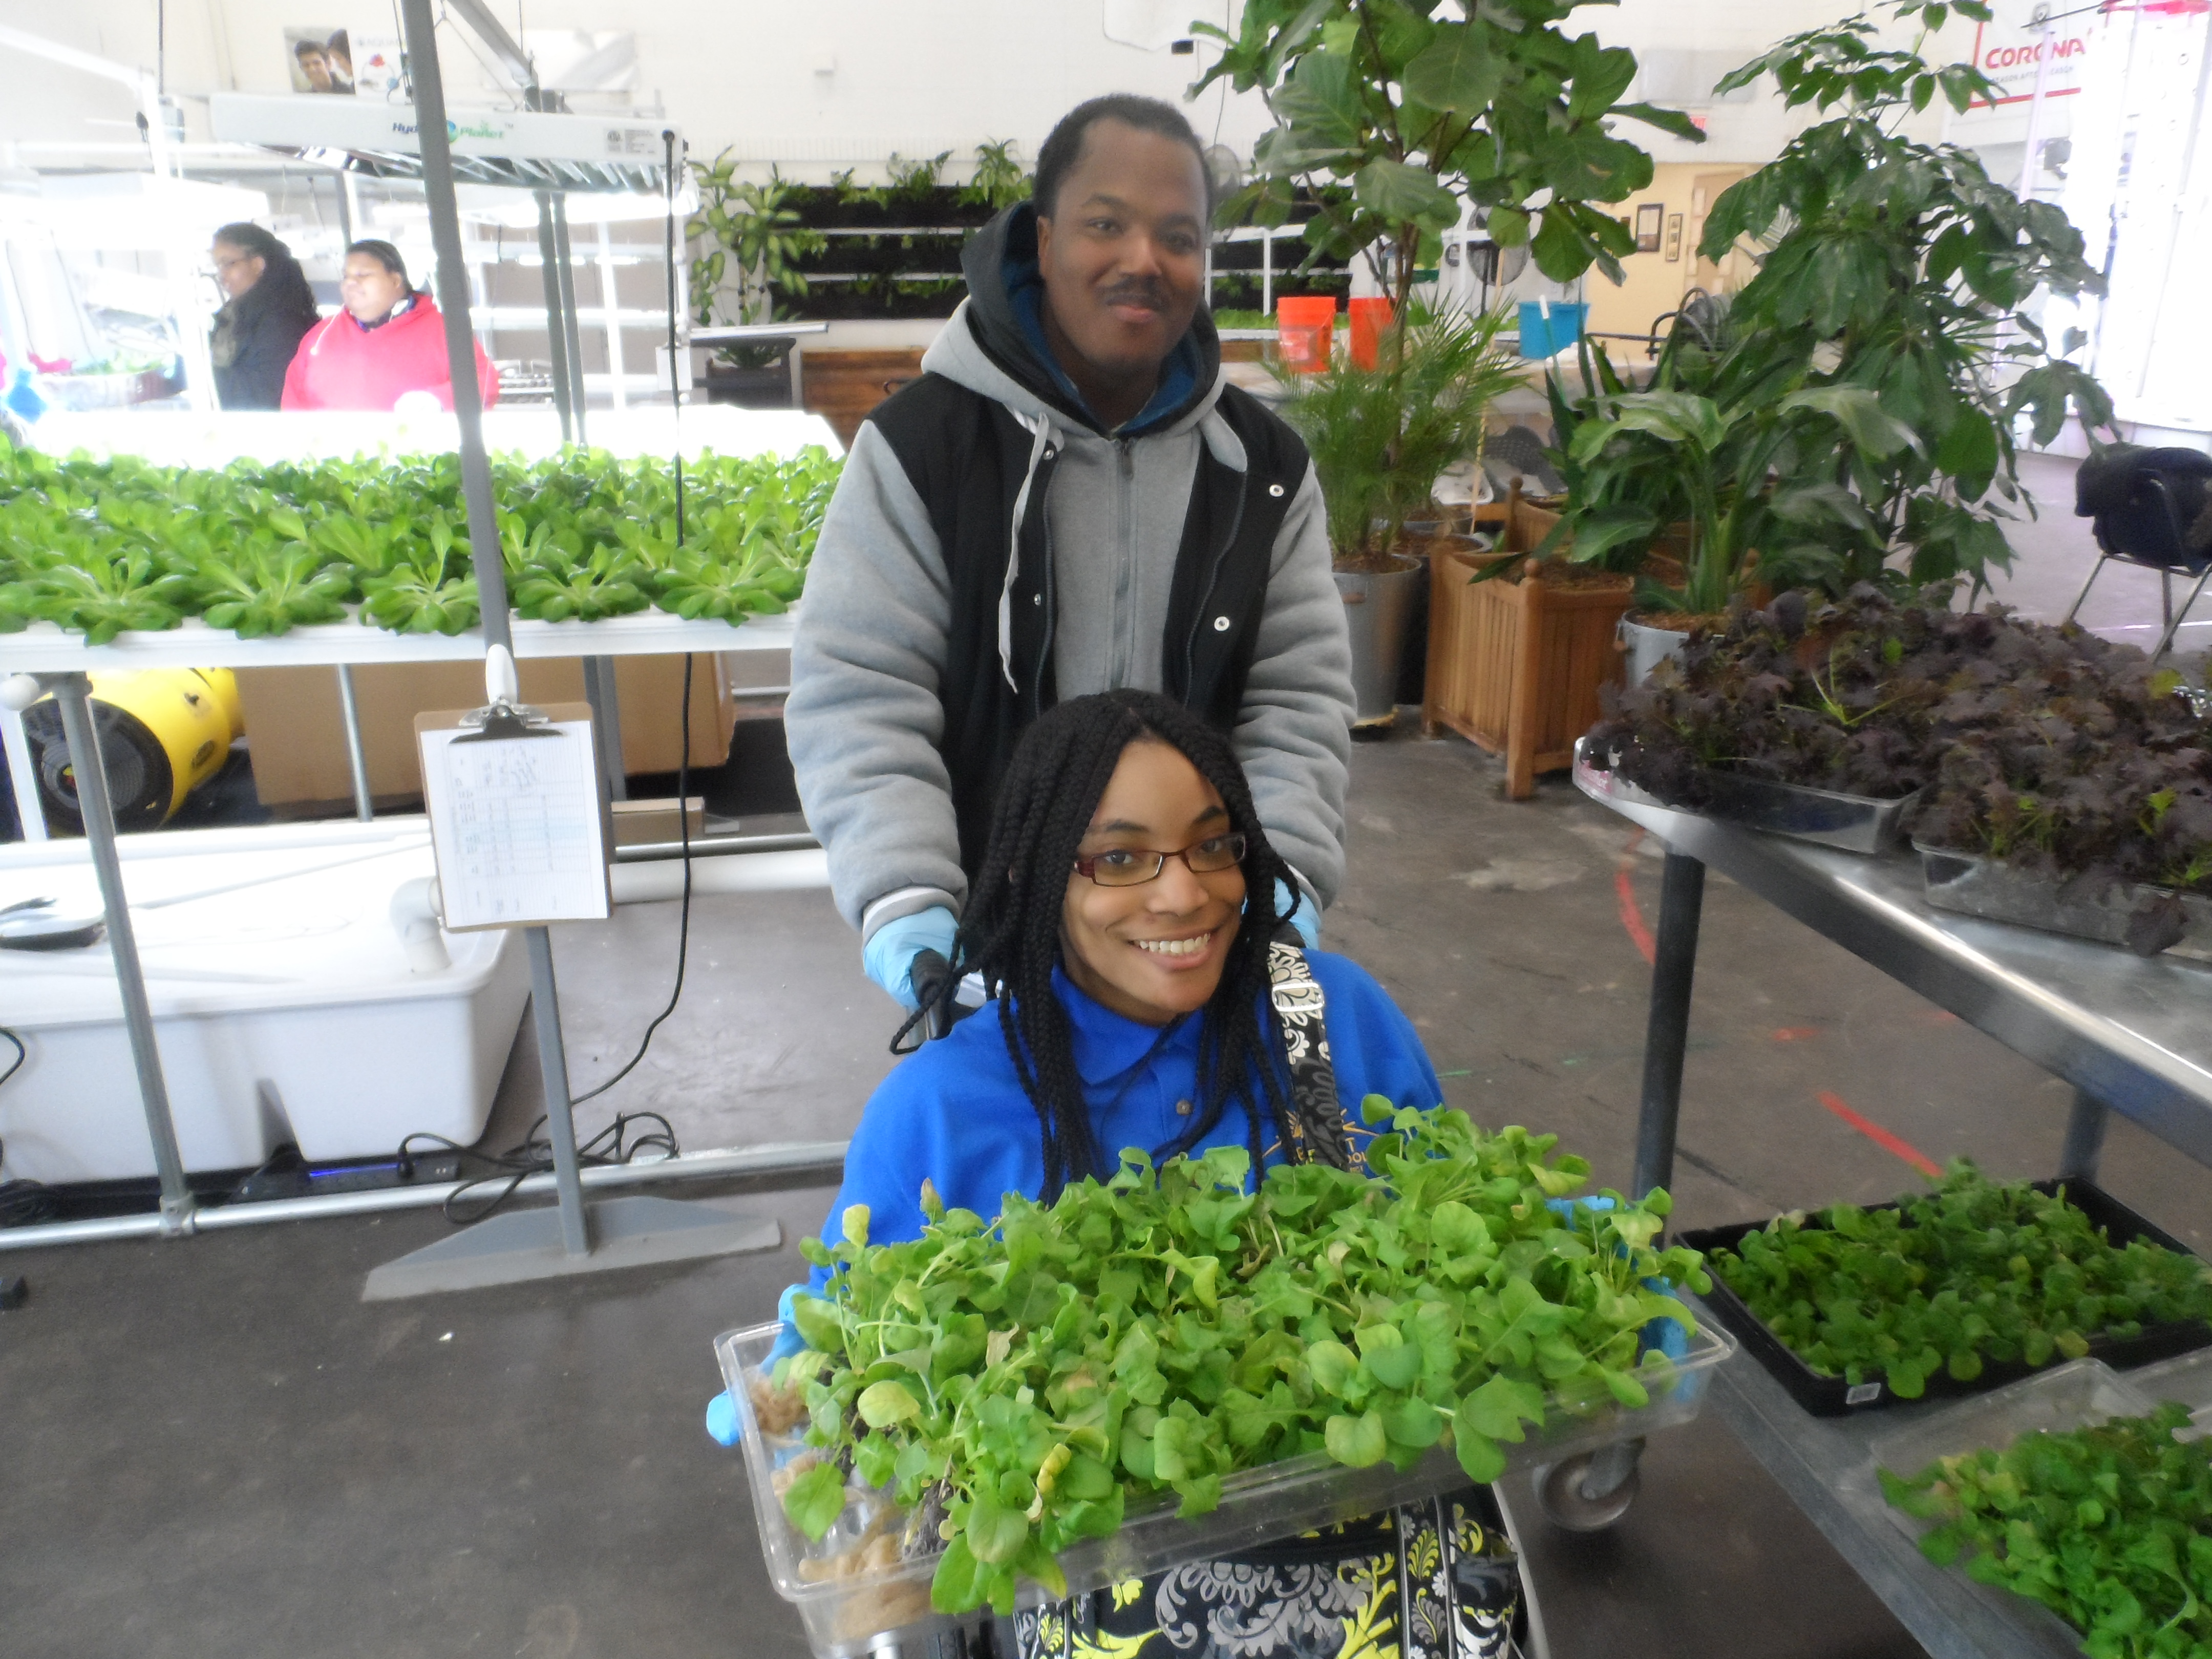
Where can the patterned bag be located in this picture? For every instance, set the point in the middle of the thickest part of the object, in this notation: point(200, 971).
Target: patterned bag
point(1435, 1580)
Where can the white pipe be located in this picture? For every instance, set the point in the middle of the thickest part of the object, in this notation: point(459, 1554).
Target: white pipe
point(776, 1159)
point(415, 910)
point(71, 57)
point(755, 873)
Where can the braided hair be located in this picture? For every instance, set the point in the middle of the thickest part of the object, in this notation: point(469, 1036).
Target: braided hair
point(1012, 933)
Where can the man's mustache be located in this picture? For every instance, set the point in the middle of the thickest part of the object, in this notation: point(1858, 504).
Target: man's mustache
point(1149, 295)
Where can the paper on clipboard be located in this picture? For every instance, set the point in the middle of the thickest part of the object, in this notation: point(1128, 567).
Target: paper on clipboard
point(517, 826)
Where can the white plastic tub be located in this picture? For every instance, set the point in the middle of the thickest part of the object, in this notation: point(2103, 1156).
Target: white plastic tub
point(283, 1003)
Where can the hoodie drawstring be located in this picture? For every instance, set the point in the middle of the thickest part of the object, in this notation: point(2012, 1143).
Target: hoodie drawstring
point(1043, 436)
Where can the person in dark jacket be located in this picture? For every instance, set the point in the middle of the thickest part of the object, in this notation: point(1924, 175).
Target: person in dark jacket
point(1071, 499)
point(270, 309)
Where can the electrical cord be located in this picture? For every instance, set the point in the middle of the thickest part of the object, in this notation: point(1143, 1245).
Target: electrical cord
point(533, 1155)
point(22, 1202)
point(683, 751)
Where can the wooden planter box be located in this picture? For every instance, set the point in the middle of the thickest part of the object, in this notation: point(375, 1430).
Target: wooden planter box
point(1516, 663)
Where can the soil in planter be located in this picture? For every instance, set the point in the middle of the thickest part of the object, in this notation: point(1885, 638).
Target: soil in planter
point(1375, 564)
point(1678, 620)
point(1565, 576)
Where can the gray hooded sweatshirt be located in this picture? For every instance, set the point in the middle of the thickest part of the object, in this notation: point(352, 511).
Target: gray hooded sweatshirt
point(866, 720)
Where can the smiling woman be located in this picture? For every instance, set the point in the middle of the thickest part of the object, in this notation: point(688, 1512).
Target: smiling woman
point(1124, 923)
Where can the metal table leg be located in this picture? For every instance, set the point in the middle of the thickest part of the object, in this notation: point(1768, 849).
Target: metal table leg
point(606, 722)
point(1681, 899)
point(356, 756)
point(1593, 1491)
point(2085, 1137)
point(71, 693)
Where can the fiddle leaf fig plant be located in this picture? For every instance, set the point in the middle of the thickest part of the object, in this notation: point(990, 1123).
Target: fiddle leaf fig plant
point(1412, 112)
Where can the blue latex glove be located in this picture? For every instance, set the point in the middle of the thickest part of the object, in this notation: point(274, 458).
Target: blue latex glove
point(724, 1426)
point(1667, 1335)
point(889, 952)
point(791, 1341)
point(1306, 917)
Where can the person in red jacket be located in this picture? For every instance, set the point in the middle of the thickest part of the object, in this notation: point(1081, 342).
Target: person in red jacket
point(387, 341)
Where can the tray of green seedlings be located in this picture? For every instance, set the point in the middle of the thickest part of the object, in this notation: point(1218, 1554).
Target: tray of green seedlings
point(1165, 1367)
point(105, 548)
point(2079, 1501)
point(1958, 1291)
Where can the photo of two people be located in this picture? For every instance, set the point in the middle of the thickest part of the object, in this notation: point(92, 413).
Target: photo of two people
point(322, 60)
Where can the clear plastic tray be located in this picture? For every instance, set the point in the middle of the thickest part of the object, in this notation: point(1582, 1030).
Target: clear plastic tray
point(2187, 1379)
point(2068, 1396)
point(845, 1614)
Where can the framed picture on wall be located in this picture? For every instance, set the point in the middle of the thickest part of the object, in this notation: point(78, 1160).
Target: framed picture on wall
point(1649, 217)
point(1673, 237)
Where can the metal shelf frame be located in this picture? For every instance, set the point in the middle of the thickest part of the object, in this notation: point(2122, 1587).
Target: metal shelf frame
point(2128, 1032)
point(574, 1237)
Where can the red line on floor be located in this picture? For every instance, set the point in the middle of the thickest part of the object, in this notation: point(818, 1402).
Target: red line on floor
point(1795, 1033)
point(1632, 916)
point(1896, 1145)
point(1623, 887)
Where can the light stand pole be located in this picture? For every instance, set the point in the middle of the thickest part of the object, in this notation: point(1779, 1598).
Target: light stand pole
point(571, 1238)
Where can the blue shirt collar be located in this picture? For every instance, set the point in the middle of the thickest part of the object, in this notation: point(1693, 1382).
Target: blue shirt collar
point(1110, 1045)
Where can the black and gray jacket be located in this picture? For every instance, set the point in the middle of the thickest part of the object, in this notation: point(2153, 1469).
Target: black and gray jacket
point(990, 551)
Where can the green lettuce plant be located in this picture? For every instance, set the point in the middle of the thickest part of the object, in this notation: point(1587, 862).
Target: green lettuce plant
point(105, 547)
point(1015, 1385)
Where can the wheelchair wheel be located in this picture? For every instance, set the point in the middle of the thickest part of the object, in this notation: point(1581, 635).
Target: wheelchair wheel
point(1559, 1494)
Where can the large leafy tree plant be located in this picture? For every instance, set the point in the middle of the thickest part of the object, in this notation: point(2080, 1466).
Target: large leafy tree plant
point(1902, 269)
point(1390, 116)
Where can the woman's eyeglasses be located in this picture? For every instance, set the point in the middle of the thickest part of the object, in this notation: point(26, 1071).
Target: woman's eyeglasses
point(1132, 866)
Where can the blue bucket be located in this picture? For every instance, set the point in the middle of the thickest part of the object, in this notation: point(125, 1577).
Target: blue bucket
point(1541, 336)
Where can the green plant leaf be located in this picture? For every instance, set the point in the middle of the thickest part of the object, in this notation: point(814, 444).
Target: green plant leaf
point(1399, 189)
point(1456, 70)
point(816, 1499)
point(1357, 1441)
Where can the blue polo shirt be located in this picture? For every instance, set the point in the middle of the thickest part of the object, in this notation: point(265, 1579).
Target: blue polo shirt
point(955, 1113)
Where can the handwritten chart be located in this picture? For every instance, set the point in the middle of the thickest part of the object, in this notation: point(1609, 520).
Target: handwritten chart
point(516, 826)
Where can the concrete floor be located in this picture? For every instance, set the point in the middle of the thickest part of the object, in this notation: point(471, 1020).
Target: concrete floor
point(213, 1446)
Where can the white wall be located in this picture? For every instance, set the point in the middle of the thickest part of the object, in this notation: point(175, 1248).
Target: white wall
point(914, 77)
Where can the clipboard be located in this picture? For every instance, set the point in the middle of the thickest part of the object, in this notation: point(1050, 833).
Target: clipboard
point(521, 823)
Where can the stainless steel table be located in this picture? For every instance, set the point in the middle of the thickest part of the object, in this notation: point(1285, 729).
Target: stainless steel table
point(2132, 1034)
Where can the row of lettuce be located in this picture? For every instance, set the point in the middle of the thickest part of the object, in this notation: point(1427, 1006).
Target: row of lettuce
point(105, 547)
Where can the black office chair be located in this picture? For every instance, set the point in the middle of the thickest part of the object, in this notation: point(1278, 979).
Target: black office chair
point(2151, 507)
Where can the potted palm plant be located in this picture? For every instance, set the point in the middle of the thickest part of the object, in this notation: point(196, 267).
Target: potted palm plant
point(1380, 439)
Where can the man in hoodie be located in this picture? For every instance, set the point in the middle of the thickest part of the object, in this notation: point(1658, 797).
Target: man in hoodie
point(1070, 498)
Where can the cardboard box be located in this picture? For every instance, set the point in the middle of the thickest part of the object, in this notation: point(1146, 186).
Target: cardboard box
point(297, 734)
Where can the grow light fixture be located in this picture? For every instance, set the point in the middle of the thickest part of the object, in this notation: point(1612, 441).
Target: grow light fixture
point(522, 149)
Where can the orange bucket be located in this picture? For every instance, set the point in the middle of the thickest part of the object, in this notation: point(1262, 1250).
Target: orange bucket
point(1370, 319)
point(1305, 330)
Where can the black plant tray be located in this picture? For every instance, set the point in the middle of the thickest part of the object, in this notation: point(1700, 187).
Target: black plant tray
point(1831, 1396)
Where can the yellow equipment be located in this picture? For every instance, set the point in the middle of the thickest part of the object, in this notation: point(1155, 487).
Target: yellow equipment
point(163, 732)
